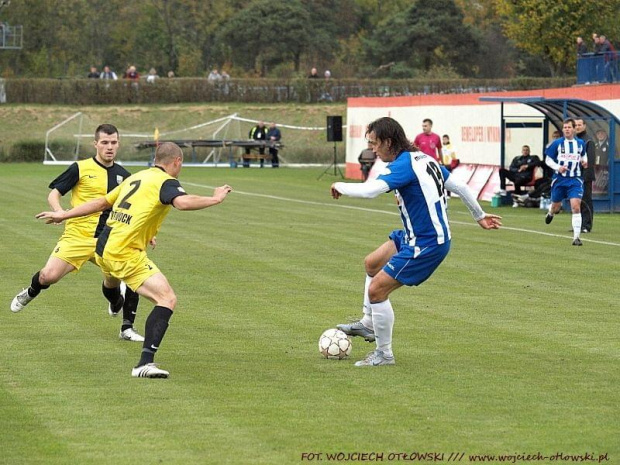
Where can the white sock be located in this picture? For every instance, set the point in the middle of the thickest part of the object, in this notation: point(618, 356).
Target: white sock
point(383, 318)
point(551, 210)
point(576, 225)
point(367, 318)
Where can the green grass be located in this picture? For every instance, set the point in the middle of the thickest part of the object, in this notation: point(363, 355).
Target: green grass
point(511, 347)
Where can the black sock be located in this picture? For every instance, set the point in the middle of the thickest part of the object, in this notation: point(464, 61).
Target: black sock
point(129, 309)
point(114, 297)
point(156, 326)
point(35, 286)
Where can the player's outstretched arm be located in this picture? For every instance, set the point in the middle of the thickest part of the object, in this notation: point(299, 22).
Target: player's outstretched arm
point(365, 190)
point(88, 208)
point(198, 202)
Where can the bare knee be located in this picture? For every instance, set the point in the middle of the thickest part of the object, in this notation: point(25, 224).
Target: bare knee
point(49, 276)
point(169, 300)
point(377, 293)
point(371, 266)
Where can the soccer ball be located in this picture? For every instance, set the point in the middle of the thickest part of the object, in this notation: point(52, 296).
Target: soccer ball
point(334, 344)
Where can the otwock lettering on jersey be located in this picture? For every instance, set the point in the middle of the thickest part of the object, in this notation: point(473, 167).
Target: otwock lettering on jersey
point(121, 217)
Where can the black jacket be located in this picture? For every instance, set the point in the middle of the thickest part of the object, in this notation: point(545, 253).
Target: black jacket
point(588, 173)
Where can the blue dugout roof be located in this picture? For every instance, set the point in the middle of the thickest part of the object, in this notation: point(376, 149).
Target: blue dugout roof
point(557, 110)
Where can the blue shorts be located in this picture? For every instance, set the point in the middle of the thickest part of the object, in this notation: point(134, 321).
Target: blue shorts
point(412, 266)
point(566, 188)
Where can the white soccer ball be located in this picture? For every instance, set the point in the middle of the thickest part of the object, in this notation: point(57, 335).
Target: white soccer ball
point(334, 344)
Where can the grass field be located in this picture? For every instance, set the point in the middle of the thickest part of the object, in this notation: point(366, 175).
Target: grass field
point(510, 348)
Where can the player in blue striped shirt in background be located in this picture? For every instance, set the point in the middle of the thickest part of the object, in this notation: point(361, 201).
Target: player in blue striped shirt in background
point(566, 156)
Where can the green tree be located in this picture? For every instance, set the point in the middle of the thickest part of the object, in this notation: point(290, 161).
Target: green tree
point(267, 33)
point(548, 28)
point(429, 34)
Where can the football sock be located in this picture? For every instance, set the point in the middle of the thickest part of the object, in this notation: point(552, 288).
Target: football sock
point(112, 294)
point(156, 326)
point(367, 318)
point(576, 225)
point(383, 318)
point(35, 286)
point(129, 308)
point(550, 212)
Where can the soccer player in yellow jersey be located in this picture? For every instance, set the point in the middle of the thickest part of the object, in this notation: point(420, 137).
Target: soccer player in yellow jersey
point(139, 206)
point(86, 180)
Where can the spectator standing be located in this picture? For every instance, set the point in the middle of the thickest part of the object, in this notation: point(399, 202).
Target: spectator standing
point(521, 170)
point(602, 148)
point(171, 74)
point(449, 154)
point(366, 160)
point(152, 76)
point(582, 49)
point(566, 156)
point(273, 136)
point(108, 74)
point(326, 96)
point(258, 132)
point(132, 74)
point(225, 79)
point(214, 76)
point(597, 43)
point(610, 58)
point(314, 74)
point(94, 74)
point(587, 213)
point(429, 142)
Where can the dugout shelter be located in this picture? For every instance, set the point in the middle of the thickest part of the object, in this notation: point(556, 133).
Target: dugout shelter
point(553, 111)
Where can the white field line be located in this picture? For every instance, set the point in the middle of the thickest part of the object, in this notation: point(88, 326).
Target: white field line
point(394, 213)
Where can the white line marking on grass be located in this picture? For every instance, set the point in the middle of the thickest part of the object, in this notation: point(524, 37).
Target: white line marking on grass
point(374, 210)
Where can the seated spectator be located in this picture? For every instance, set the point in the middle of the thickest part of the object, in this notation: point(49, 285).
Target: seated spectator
point(542, 188)
point(94, 74)
point(448, 153)
point(521, 170)
point(274, 135)
point(171, 74)
point(107, 73)
point(314, 74)
point(366, 160)
point(152, 76)
point(225, 76)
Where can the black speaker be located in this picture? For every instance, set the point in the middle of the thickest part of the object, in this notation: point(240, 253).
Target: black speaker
point(334, 129)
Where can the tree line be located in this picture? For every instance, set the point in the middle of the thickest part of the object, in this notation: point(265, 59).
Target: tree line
point(392, 39)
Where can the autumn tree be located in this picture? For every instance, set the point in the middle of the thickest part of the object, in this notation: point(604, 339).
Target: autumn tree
point(549, 28)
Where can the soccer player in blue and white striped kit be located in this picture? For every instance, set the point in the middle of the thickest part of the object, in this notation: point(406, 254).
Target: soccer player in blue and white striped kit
point(410, 256)
point(566, 156)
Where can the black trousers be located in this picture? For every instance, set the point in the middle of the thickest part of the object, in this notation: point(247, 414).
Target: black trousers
point(517, 178)
point(587, 206)
point(275, 161)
